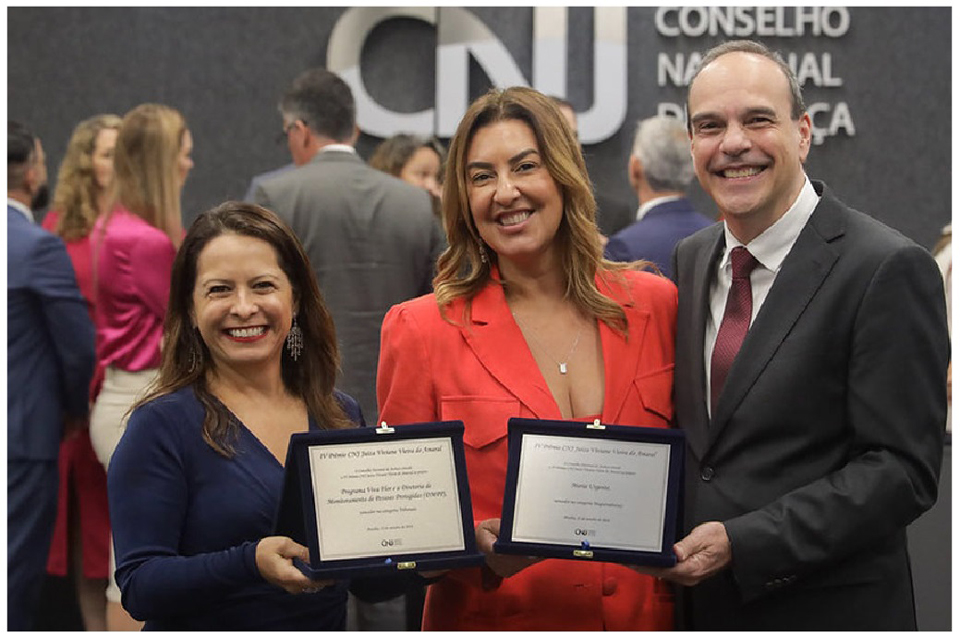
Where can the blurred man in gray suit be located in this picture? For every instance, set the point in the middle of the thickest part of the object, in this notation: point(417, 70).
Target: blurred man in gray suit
point(372, 238)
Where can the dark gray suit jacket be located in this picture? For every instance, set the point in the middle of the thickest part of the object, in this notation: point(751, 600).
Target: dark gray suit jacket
point(828, 437)
point(373, 242)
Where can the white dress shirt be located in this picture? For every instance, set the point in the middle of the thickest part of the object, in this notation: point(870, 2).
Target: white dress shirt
point(337, 146)
point(22, 208)
point(650, 204)
point(769, 248)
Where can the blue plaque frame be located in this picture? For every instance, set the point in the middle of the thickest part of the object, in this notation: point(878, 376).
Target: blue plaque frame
point(665, 557)
point(296, 517)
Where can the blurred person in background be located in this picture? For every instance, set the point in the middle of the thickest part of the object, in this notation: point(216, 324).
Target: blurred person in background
point(943, 254)
point(660, 169)
point(50, 361)
point(81, 535)
point(604, 205)
point(373, 241)
point(134, 248)
point(416, 160)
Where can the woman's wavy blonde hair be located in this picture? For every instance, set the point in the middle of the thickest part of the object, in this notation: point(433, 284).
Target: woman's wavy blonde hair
point(75, 198)
point(461, 272)
point(147, 175)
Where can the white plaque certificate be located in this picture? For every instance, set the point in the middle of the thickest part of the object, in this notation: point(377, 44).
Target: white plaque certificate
point(611, 493)
point(389, 497)
point(608, 493)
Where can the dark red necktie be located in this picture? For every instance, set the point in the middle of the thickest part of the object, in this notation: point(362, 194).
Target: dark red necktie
point(736, 321)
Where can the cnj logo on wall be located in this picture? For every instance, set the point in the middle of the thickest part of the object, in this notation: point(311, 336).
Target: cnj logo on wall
point(460, 36)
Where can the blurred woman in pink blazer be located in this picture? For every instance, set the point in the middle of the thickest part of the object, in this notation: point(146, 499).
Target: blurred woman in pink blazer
point(135, 245)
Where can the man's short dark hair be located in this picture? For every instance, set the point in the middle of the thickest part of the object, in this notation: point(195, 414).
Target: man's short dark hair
point(21, 145)
point(323, 101)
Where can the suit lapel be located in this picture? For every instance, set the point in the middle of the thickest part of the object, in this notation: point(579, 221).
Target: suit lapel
point(703, 270)
point(498, 344)
point(803, 272)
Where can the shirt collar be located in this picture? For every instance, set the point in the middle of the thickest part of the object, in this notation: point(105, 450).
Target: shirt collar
point(772, 246)
point(337, 147)
point(22, 208)
point(650, 204)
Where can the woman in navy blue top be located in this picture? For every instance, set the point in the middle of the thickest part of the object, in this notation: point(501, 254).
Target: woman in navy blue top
point(249, 358)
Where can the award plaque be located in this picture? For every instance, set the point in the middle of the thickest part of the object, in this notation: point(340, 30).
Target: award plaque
point(607, 493)
point(371, 501)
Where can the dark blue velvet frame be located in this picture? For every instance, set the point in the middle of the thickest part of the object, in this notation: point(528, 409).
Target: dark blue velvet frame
point(297, 513)
point(517, 427)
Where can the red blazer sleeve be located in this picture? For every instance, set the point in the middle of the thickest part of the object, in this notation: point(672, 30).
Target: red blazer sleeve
point(405, 389)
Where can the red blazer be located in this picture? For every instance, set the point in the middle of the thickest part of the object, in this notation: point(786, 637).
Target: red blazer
point(483, 374)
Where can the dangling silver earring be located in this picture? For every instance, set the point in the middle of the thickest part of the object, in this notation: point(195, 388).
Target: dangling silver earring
point(194, 359)
point(295, 340)
point(483, 252)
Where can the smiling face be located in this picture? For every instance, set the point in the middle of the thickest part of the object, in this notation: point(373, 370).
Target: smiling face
point(243, 302)
point(515, 203)
point(747, 151)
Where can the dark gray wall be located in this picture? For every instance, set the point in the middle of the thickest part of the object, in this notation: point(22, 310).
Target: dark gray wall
point(224, 68)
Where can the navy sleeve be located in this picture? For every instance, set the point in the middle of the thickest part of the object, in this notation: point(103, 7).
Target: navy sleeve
point(149, 493)
point(616, 251)
point(68, 322)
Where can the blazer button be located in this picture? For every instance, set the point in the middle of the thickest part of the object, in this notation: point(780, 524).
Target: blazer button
point(707, 473)
point(609, 586)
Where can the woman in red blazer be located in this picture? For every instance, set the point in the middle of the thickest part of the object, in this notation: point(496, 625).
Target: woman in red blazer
point(527, 320)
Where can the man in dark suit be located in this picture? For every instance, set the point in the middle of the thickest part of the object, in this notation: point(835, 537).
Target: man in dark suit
point(659, 171)
point(372, 239)
point(50, 360)
point(813, 445)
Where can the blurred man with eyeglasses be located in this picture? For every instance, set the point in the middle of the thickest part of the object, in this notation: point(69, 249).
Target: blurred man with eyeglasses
point(372, 239)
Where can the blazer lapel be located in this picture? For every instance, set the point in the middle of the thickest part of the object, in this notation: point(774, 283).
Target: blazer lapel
point(803, 272)
point(496, 341)
point(697, 432)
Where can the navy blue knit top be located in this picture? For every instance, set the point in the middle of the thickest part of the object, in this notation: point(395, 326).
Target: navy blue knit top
point(186, 522)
